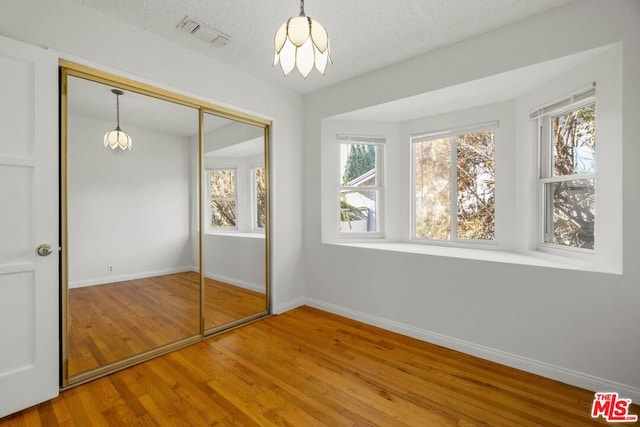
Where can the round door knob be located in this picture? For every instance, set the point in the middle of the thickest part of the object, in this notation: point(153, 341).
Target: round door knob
point(44, 250)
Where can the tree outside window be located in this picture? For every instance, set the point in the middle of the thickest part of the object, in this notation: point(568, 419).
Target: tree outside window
point(568, 144)
point(361, 184)
point(223, 197)
point(260, 192)
point(454, 185)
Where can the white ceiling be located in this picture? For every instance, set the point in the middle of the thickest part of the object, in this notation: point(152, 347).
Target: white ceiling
point(95, 100)
point(365, 35)
point(253, 147)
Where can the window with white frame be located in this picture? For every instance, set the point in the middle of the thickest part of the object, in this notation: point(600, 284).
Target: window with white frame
point(361, 185)
point(567, 138)
point(259, 198)
point(453, 184)
point(223, 198)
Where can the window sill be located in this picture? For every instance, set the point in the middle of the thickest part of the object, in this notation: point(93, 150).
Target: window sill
point(532, 258)
point(252, 235)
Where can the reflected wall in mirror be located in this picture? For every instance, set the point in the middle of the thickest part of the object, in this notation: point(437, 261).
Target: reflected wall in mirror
point(234, 216)
point(133, 276)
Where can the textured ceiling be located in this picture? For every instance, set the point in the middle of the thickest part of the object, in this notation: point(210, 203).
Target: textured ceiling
point(365, 34)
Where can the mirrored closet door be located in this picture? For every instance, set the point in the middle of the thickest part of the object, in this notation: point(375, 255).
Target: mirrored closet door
point(235, 217)
point(164, 221)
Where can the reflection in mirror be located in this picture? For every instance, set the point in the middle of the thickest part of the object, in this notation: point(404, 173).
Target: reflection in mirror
point(234, 217)
point(133, 280)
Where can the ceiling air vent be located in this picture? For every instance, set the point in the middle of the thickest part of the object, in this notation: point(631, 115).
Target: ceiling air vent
point(203, 31)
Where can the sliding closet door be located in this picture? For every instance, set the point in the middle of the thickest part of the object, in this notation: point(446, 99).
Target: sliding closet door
point(165, 236)
point(235, 222)
point(28, 226)
point(133, 281)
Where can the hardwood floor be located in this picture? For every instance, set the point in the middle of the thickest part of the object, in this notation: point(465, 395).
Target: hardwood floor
point(113, 321)
point(310, 368)
point(224, 303)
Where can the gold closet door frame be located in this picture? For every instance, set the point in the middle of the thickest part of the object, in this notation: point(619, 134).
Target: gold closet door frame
point(67, 69)
point(227, 326)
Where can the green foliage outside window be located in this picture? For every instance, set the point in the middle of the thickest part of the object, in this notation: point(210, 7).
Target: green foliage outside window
point(361, 159)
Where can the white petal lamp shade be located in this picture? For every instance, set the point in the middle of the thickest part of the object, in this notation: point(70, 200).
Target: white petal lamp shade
point(116, 138)
point(301, 43)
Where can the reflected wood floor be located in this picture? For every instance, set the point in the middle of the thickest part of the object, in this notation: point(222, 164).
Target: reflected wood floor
point(310, 368)
point(112, 321)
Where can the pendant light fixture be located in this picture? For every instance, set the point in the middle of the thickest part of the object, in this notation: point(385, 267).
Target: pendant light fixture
point(301, 42)
point(117, 138)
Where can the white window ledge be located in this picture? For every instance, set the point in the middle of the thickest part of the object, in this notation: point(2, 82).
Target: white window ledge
point(533, 258)
point(255, 235)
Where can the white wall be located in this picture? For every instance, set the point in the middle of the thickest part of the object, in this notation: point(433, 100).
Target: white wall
point(127, 209)
point(239, 260)
point(234, 256)
point(576, 326)
point(84, 35)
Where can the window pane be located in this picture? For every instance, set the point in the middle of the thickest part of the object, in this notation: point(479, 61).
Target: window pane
point(222, 187)
point(261, 197)
point(476, 185)
point(223, 183)
point(358, 165)
point(223, 213)
point(433, 189)
point(571, 221)
point(358, 211)
point(574, 141)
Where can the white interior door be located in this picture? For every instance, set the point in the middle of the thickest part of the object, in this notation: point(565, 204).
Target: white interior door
point(29, 359)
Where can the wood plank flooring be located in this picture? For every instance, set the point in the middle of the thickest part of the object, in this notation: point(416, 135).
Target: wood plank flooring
point(310, 368)
point(112, 321)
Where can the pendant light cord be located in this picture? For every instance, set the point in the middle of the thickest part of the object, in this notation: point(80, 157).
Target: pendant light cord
point(117, 111)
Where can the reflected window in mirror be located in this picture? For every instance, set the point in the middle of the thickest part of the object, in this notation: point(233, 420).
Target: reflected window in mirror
point(259, 198)
point(223, 199)
point(236, 195)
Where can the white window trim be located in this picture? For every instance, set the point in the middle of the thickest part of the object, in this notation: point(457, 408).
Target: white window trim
point(544, 217)
point(447, 133)
point(542, 117)
point(379, 142)
point(209, 229)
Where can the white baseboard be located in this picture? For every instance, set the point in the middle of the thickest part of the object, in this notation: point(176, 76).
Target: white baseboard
point(567, 376)
point(256, 287)
point(290, 305)
point(123, 277)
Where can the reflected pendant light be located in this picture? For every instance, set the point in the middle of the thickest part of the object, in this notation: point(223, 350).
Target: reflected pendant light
point(117, 138)
point(302, 42)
